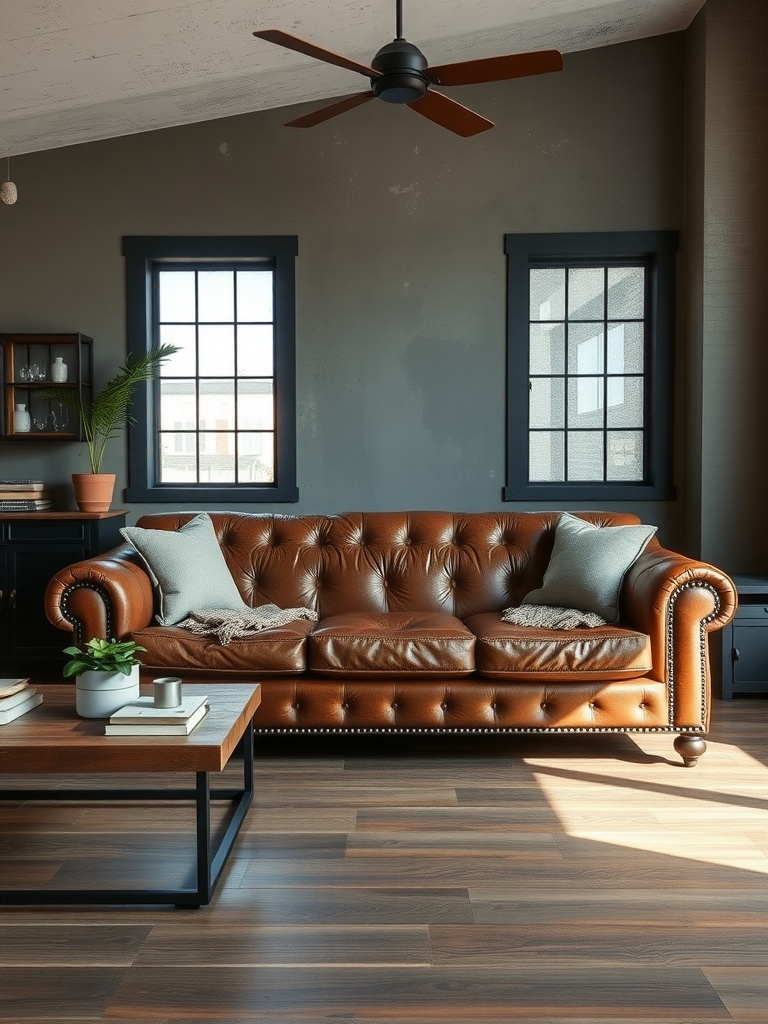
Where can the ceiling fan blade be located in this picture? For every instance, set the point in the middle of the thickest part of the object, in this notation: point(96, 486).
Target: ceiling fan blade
point(496, 69)
point(450, 114)
point(274, 35)
point(326, 113)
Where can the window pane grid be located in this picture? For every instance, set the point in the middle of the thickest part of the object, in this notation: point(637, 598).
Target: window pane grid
point(596, 404)
point(217, 445)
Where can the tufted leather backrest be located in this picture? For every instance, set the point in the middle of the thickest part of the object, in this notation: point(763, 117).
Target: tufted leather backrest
point(459, 563)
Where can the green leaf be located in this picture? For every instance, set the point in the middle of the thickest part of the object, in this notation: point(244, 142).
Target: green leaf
point(107, 414)
point(102, 655)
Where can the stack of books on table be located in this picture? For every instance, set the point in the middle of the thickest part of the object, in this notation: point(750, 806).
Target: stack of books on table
point(17, 697)
point(142, 718)
point(24, 496)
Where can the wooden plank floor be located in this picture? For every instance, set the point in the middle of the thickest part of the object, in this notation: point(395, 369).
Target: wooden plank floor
point(555, 880)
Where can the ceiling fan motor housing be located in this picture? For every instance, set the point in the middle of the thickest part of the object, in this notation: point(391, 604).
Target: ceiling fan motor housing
point(401, 66)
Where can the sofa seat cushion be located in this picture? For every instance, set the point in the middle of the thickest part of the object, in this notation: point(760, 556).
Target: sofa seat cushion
point(507, 651)
point(392, 643)
point(279, 650)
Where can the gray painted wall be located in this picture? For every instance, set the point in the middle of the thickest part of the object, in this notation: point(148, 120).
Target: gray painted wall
point(401, 270)
point(729, 330)
point(690, 372)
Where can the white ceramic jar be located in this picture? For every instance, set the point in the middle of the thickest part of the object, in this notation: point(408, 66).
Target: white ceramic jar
point(22, 422)
point(58, 370)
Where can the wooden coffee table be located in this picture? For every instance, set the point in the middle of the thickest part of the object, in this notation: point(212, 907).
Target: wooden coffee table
point(52, 739)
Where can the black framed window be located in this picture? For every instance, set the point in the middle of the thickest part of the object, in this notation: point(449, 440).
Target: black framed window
point(590, 363)
point(219, 421)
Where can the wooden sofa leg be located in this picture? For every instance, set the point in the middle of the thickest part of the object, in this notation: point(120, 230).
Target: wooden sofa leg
point(690, 747)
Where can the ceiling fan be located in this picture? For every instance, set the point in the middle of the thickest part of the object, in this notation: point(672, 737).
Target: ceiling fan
point(399, 73)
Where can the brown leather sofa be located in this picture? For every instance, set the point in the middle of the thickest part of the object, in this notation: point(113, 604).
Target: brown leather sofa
point(409, 636)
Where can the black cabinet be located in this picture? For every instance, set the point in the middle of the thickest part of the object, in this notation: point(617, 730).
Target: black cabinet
point(745, 640)
point(34, 547)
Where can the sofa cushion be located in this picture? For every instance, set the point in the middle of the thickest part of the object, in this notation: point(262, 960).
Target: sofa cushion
point(588, 565)
point(279, 650)
point(392, 643)
point(187, 568)
point(507, 651)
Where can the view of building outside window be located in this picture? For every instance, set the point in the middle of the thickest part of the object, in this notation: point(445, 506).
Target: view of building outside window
point(216, 394)
point(587, 365)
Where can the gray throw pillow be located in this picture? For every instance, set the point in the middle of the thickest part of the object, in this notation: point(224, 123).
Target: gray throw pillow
point(187, 568)
point(588, 565)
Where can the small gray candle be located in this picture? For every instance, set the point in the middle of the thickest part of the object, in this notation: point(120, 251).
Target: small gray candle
point(167, 692)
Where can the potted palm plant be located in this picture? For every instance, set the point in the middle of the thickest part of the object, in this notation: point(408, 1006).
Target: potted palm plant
point(106, 675)
point(103, 416)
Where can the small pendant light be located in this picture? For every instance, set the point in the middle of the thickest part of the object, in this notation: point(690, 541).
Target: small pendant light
point(8, 191)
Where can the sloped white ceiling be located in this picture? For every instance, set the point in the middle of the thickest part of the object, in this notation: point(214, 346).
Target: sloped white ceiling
point(79, 70)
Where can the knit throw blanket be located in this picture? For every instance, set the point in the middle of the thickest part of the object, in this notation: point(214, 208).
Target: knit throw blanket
point(227, 624)
point(546, 616)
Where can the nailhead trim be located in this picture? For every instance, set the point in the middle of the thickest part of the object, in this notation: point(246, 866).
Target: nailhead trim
point(76, 623)
point(326, 730)
point(702, 645)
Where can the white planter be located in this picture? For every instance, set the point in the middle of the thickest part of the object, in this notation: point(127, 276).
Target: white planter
point(100, 694)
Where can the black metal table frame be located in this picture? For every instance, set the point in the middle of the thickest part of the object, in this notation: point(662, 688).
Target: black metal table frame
point(209, 863)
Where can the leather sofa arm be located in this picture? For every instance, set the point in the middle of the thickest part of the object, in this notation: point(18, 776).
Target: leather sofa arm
point(656, 578)
point(677, 601)
point(107, 596)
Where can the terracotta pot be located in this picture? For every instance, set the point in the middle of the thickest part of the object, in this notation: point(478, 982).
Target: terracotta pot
point(93, 491)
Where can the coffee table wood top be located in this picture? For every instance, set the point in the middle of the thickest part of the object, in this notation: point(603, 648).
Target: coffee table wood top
point(52, 738)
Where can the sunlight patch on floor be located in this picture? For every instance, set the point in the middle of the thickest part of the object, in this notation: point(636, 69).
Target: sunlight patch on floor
point(691, 816)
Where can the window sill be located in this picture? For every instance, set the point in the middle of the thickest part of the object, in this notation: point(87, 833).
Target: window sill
point(213, 495)
point(588, 492)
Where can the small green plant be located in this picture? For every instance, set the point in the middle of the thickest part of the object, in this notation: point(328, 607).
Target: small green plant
point(102, 656)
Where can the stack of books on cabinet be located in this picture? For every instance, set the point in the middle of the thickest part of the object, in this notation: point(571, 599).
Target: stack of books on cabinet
point(142, 718)
point(17, 697)
point(24, 496)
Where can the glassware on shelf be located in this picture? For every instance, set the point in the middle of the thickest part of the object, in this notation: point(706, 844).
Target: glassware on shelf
point(32, 372)
point(59, 417)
